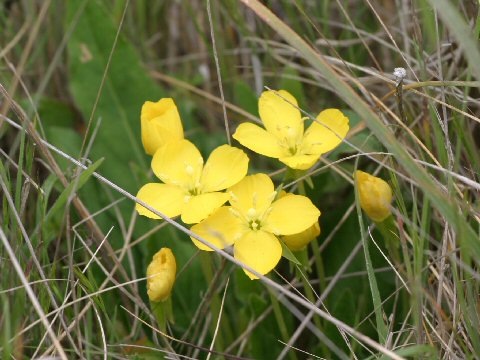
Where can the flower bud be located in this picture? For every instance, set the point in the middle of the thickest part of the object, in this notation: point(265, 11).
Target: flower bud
point(375, 196)
point(161, 274)
point(298, 241)
point(160, 123)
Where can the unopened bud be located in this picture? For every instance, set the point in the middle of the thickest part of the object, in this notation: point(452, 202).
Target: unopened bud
point(161, 273)
point(375, 196)
point(161, 123)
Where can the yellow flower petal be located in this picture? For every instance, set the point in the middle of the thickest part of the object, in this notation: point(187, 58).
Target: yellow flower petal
point(300, 162)
point(253, 192)
point(160, 123)
point(225, 167)
point(221, 229)
point(298, 241)
point(178, 163)
point(290, 215)
point(278, 114)
point(375, 196)
point(200, 206)
point(320, 139)
point(259, 140)
point(168, 199)
point(161, 274)
point(258, 249)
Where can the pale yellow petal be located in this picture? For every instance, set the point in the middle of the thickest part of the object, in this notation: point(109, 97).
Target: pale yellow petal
point(298, 241)
point(300, 162)
point(327, 133)
point(253, 192)
point(225, 167)
point(160, 124)
point(200, 206)
point(167, 199)
point(279, 112)
point(290, 215)
point(259, 140)
point(178, 163)
point(259, 250)
point(221, 229)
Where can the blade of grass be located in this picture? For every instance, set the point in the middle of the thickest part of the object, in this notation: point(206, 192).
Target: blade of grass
point(459, 28)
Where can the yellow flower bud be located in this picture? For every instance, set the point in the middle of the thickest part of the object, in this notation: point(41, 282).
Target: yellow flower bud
point(375, 196)
point(161, 123)
point(161, 275)
point(298, 241)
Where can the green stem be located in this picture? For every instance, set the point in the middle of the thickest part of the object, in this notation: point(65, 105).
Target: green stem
point(215, 301)
point(277, 311)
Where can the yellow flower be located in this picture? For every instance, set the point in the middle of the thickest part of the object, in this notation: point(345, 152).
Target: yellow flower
point(160, 123)
point(161, 274)
point(375, 196)
point(284, 137)
point(253, 222)
point(189, 187)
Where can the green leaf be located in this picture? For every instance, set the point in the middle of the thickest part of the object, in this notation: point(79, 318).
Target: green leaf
point(288, 254)
point(289, 81)
point(90, 287)
point(74, 186)
point(125, 88)
point(415, 351)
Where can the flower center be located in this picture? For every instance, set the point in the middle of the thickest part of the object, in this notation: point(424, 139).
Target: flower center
point(253, 219)
point(193, 186)
point(290, 139)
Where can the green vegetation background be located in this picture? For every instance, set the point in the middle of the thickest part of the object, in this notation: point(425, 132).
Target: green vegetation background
point(163, 40)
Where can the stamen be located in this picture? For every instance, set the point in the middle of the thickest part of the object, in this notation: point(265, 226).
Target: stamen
point(255, 199)
point(251, 213)
point(234, 212)
point(189, 169)
point(233, 197)
point(291, 132)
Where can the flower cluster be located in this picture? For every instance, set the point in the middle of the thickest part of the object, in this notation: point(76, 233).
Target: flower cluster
point(224, 205)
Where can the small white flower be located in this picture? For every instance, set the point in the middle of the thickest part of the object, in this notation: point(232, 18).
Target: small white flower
point(400, 73)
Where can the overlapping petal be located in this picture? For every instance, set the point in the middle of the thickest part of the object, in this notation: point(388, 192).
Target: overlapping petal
point(226, 166)
point(167, 199)
point(221, 229)
point(200, 206)
point(300, 162)
point(290, 215)
point(254, 191)
point(298, 241)
point(327, 133)
point(177, 163)
point(259, 250)
point(279, 111)
point(259, 140)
